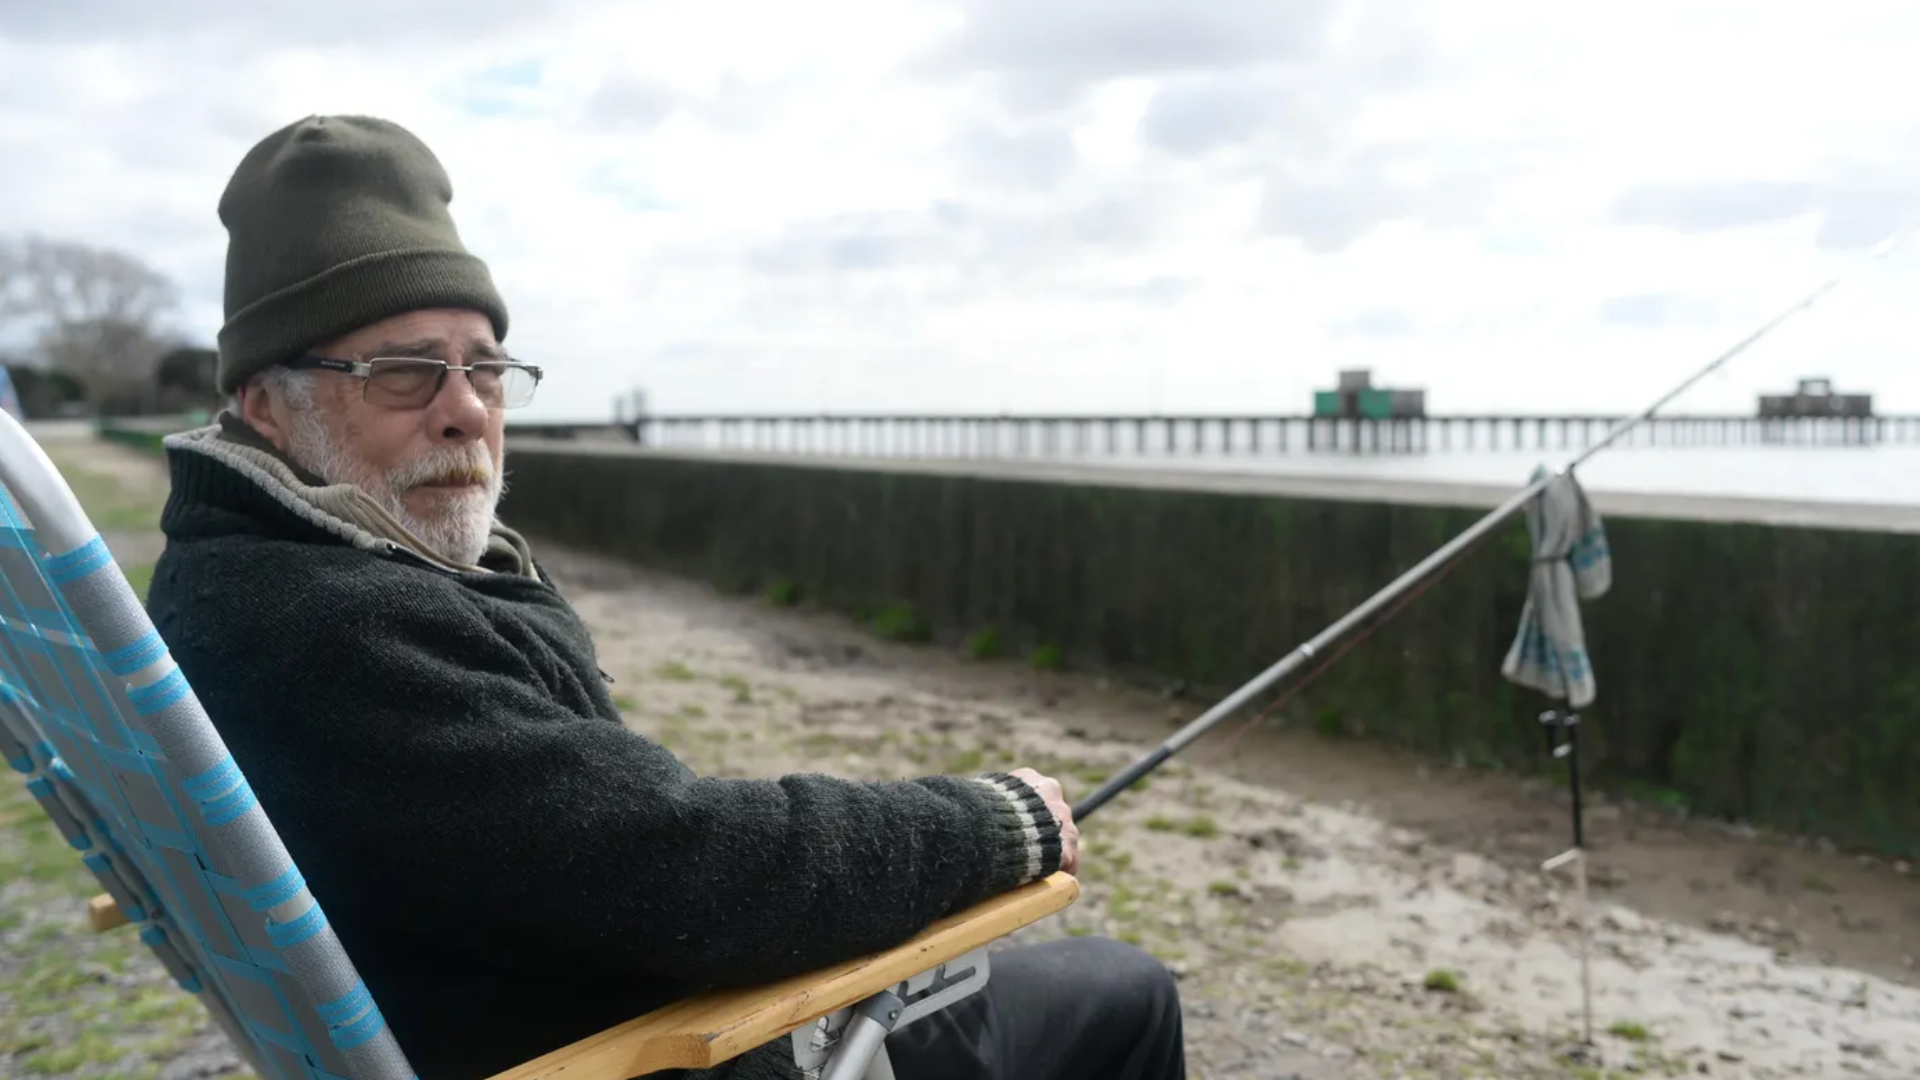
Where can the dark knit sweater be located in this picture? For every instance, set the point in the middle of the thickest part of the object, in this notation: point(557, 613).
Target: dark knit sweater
point(509, 866)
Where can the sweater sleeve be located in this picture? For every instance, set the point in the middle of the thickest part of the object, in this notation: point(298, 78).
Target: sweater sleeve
point(428, 784)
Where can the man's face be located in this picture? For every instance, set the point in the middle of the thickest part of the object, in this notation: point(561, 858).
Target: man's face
point(435, 466)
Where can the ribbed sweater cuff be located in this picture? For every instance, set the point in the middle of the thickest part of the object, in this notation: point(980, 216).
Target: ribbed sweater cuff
point(1032, 835)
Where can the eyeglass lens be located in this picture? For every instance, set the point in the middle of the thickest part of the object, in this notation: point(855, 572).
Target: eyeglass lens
point(407, 382)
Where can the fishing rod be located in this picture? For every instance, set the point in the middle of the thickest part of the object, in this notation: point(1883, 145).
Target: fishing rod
point(1332, 635)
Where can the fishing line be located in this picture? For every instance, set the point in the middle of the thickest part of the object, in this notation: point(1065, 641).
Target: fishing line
point(1443, 557)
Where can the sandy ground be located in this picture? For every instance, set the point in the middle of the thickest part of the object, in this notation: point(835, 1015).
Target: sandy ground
point(1315, 935)
point(1333, 910)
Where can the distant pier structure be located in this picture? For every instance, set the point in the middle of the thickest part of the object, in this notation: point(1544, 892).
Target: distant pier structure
point(1354, 417)
point(1361, 417)
point(1814, 413)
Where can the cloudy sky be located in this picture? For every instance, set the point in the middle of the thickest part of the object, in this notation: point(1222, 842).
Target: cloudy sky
point(1071, 205)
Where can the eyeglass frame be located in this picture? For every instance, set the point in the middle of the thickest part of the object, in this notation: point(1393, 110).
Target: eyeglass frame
point(363, 370)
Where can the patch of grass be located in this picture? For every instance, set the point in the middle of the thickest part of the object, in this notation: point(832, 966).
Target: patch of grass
point(1288, 967)
point(1200, 827)
point(55, 1061)
point(162, 1003)
point(742, 693)
point(110, 504)
point(673, 671)
point(1328, 723)
point(1046, 657)
point(114, 958)
point(784, 592)
point(1089, 774)
point(692, 710)
point(626, 703)
point(1643, 792)
point(40, 854)
point(984, 643)
point(1223, 888)
point(964, 763)
point(901, 622)
point(1442, 981)
point(1629, 1030)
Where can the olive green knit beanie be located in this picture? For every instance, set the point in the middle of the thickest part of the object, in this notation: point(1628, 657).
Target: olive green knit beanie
point(334, 223)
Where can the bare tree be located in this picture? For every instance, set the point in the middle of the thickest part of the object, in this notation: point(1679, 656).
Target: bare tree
point(96, 313)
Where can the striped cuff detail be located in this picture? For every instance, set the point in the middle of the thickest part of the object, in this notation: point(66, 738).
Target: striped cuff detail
point(1033, 848)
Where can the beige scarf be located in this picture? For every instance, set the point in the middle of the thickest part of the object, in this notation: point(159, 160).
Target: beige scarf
point(343, 509)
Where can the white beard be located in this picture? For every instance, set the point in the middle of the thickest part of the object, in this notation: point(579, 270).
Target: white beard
point(457, 529)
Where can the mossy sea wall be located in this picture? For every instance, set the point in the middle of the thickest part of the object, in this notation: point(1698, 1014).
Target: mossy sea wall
point(1761, 673)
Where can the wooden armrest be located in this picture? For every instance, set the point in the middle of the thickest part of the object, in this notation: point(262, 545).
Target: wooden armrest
point(715, 1027)
point(103, 914)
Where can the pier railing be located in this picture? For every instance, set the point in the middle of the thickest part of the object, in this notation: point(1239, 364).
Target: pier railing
point(973, 436)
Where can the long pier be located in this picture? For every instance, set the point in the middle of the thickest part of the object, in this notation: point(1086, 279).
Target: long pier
point(985, 436)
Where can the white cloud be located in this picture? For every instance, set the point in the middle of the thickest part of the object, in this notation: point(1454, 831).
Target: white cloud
point(1053, 205)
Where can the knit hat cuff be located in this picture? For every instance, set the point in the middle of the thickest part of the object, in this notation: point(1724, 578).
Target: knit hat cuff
point(284, 324)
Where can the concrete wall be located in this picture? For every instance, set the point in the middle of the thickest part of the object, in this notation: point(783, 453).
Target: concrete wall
point(1766, 672)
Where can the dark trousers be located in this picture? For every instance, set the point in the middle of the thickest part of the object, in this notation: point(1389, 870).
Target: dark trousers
point(1077, 1008)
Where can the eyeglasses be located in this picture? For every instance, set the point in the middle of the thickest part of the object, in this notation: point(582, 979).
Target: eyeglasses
point(407, 382)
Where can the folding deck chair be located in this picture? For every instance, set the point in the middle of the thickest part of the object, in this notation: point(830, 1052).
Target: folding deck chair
point(119, 752)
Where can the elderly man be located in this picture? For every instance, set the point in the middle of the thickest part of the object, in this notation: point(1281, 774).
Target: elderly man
point(423, 716)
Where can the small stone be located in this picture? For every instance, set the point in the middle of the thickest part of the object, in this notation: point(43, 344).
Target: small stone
point(1624, 921)
point(1581, 1054)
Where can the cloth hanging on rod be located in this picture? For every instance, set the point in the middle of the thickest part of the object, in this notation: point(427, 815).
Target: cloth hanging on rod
point(1571, 563)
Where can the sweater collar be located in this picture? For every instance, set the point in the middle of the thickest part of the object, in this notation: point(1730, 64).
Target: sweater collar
point(344, 510)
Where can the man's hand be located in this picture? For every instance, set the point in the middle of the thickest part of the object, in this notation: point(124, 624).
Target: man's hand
point(1056, 800)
